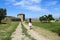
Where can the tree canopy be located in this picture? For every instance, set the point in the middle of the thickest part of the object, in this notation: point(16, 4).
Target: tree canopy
point(2, 13)
point(46, 18)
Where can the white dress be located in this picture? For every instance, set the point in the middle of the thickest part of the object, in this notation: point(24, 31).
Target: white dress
point(30, 24)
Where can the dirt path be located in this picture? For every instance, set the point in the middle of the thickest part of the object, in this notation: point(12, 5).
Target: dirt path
point(34, 34)
point(17, 35)
point(41, 34)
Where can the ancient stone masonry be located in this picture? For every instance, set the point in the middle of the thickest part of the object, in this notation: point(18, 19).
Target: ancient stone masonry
point(21, 16)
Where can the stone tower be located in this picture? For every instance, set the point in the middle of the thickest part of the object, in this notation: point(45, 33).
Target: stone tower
point(21, 16)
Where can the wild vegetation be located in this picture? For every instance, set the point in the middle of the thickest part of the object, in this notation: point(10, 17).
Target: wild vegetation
point(12, 18)
point(7, 29)
point(54, 26)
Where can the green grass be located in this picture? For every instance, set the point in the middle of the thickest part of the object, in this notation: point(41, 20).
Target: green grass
point(55, 26)
point(7, 29)
point(24, 31)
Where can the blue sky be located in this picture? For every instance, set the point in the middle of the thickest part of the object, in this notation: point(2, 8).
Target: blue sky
point(31, 8)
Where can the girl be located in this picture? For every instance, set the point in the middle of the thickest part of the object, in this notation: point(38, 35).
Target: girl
point(30, 23)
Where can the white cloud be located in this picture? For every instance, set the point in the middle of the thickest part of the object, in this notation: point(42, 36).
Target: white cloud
point(28, 4)
point(23, 2)
point(19, 3)
point(36, 1)
point(35, 8)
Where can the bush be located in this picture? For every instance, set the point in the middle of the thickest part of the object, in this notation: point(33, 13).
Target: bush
point(6, 20)
point(15, 19)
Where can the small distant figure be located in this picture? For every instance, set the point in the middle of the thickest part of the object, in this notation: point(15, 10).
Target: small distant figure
point(30, 23)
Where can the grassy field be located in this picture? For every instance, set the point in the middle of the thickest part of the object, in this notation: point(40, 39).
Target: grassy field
point(7, 29)
point(55, 26)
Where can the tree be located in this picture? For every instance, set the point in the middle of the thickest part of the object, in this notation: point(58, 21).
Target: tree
point(40, 18)
point(43, 18)
point(50, 17)
point(46, 18)
point(2, 14)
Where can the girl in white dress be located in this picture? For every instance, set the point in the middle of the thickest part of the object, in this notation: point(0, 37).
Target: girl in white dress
point(30, 23)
